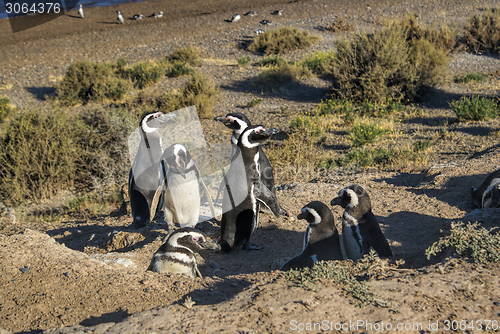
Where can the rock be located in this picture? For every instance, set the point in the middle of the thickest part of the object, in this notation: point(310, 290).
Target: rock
point(214, 264)
point(7, 214)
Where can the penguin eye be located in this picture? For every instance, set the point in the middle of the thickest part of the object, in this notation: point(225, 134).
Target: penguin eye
point(195, 238)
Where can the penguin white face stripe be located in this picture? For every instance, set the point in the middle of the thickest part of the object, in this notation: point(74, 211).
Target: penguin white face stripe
point(144, 124)
point(243, 125)
point(244, 138)
point(173, 239)
point(317, 217)
point(354, 198)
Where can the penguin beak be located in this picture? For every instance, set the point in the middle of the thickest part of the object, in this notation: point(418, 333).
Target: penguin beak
point(222, 119)
point(336, 201)
point(209, 244)
point(270, 131)
point(301, 216)
point(163, 118)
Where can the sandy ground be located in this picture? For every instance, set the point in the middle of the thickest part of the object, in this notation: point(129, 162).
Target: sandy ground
point(76, 274)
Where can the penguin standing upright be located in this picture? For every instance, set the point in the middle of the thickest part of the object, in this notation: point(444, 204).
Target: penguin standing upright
point(80, 11)
point(321, 239)
point(182, 181)
point(238, 122)
point(488, 194)
point(176, 255)
point(360, 228)
point(144, 174)
point(244, 191)
point(120, 17)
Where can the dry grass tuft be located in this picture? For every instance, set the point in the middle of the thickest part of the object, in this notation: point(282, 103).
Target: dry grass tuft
point(281, 41)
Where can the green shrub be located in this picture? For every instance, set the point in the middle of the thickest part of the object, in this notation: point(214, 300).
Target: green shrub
point(320, 63)
point(305, 124)
point(272, 61)
point(474, 108)
point(279, 75)
point(365, 133)
point(5, 108)
point(244, 61)
point(472, 240)
point(386, 66)
point(88, 82)
point(37, 157)
point(421, 145)
point(281, 41)
point(470, 77)
point(482, 33)
point(189, 55)
point(145, 74)
point(334, 106)
point(178, 70)
point(254, 102)
point(199, 91)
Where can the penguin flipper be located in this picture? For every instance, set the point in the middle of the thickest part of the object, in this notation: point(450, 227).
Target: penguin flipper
point(159, 191)
point(381, 245)
point(198, 274)
point(207, 193)
point(267, 198)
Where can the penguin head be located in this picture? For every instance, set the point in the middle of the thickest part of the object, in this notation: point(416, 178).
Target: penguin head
point(178, 158)
point(351, 197)
point(321, 222)
point(191, 238)
point(236, 121)
point(255, 135)
point(154, 121)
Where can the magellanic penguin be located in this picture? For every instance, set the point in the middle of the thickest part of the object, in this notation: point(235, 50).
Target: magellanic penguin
point(80, 11)
point(176, 255)
point(235, 18)
point(238, 122)
point(157, 14)
point(144, 174)
point(120, 17)
point(244, 191)
point(137, 17)
point(360, 228)
point(488, 194)
point(181, 180)
point(321, 240)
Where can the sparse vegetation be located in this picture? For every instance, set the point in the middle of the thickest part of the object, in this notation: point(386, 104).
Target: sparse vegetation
point(482, 33)
point(272, 61)
point(89, 82)
point(144, 74)
point(94, 203)
point(365, 133)
point(340, 24)
point(5, 108)
point(254, 102)
point(421, 145)
point(303, 123)
point(244, 61)
point(189, 55)
point(474, 108)
point(471, 239)
point(345, 275)
point(470, 77)
point(281, 41)
point(180, 69)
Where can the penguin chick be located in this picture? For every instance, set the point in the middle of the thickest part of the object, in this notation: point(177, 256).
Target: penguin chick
point(360, 228)
point(488, 194)
point(176, 255)
point(182, 181)
point(321, 239)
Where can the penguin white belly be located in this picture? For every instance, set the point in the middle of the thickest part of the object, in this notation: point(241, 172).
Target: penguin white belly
point(163, 266)
point(352, 246)
point(185, 196)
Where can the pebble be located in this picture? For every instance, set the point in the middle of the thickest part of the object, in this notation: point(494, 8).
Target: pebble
point(24, 269)
point(66, 274)
point(214, 264)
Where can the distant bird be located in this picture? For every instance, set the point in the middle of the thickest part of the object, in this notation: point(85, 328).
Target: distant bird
point(236, 18)
point(80, 11)
point(259, 31)
point(265, 22)
point(137, 17)
point(157, 14)
point(120, 17)
point(277, 12)
point(251, 13)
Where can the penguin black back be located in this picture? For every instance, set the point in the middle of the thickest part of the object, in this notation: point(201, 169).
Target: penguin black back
point(321, 239)
point(488, 194)
point(360, 228)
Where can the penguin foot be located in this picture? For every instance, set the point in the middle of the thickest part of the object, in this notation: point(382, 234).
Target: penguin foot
point(252, 247)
